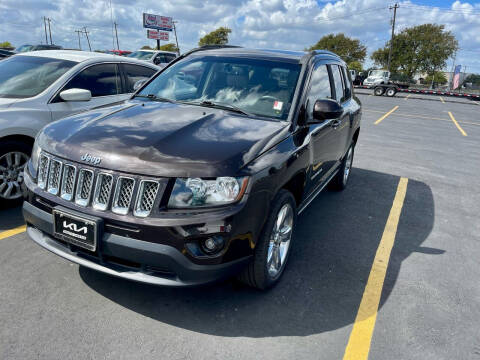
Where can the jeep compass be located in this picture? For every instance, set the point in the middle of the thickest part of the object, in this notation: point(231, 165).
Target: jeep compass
point(202, 173)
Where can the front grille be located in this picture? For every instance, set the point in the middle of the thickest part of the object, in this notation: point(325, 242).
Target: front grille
point(145, 201)
point(101, 190)
point(123, 195)
point(54, 177)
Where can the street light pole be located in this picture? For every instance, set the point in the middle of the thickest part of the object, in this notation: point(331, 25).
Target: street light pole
point(394, 7)
point(176, 39)
point(116, 35)
point(45, 25)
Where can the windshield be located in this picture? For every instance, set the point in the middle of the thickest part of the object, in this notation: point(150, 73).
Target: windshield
point(23, 48)
point(377, 73)
point(27, 76)
point(259, 87)
point(142, 55)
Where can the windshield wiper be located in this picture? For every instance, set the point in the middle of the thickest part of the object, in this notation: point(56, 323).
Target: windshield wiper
point(221, 105)
point(155, 98)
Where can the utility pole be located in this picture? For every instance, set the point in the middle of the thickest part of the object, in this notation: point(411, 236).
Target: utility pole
point(176, 39)
point(45, 25)
point(116, 35)
point(79, 44)
point(88, 40)
point(453, 69)
point(394, 7)
point(49, 30)
point(158, 44)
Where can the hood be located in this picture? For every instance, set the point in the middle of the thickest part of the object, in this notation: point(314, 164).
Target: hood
point(163, 139)
point(7, 102)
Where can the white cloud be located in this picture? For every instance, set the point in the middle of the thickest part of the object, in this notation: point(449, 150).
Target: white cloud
point(289, 24)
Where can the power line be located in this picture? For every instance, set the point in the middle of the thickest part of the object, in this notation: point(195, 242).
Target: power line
point(455, 11)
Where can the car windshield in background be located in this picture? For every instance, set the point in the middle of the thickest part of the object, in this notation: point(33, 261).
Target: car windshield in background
point(258, 87)
point(23, 48)
point(142, 55)
point(27, 76)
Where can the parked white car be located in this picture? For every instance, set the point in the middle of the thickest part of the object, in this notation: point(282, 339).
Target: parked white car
point(160, 58)
point(39, 87)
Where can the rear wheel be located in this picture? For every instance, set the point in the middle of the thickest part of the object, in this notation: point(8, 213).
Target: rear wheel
point(14, 156)
point(391, 92)
point(273, 246)
point(378, 91)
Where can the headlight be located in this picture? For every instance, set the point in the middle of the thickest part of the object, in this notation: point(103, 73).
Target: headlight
point(35, 155)
point(196, 192)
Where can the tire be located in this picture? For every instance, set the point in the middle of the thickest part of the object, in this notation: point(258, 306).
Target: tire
point(14, 155)
point(378, 91)
point(391, 92)
point(340, 181)
point(259, 272)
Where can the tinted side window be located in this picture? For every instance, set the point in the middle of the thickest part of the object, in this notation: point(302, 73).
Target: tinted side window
point(135, 73)
point(169, 57)
point(319, 87)
point(101, 80)
point(348, 83)
point(337, 79)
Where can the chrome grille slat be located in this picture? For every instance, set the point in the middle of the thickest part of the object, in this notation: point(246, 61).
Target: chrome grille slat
point(103, 189)
point(43, 167)
point(147, 193)
point(54, 175)
point(123, 195)
point(84, 187)
point(68, 182)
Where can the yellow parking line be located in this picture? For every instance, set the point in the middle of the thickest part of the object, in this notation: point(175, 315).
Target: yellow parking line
point(456, 124)
point(441, 99)
point(384, 116)
point(360, 339)
point(423, 117)
point(11, 232)
point(406, 97)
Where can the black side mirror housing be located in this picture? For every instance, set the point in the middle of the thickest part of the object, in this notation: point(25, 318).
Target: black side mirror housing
point(326, 109)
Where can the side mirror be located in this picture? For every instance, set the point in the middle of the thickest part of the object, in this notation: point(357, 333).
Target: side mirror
point(139, 84)
point(326, 109)
point(76, 95)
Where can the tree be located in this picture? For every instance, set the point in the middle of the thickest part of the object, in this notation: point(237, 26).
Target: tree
point(216, 37)
point(6, 44)
point(437, 77)
point(473, 78)
point(146, 47)
point(350, 50)
point(355, 65)
point(422, 48)
point(169, 47)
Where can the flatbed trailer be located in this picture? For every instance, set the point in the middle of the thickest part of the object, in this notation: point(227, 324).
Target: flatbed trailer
point(392, 89)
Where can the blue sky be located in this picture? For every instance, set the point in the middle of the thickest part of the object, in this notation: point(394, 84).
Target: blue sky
point(287, 24)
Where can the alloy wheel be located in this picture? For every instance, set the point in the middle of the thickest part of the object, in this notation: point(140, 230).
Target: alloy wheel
point(348, 165)
point(280, 240)
point(12, 165)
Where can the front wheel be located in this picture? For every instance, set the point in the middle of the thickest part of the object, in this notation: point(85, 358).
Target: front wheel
point(273, 246)
point(14, 156)
point(340, 181)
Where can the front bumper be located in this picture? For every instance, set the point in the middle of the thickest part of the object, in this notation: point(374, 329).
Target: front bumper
point(128, 258)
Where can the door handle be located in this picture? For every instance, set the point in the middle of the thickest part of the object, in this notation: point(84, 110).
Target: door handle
point(336, 123)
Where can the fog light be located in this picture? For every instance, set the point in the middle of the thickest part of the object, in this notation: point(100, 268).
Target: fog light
point(213, 244)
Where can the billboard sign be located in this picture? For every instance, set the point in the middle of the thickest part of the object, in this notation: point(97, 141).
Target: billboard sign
point(158, 35)
point(157, 22)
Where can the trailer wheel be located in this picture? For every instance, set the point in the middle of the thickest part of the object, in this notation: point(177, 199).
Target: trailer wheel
point(378, 91)
point(391, 92)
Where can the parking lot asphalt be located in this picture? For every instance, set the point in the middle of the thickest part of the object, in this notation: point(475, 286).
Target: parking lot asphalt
point(325, 306)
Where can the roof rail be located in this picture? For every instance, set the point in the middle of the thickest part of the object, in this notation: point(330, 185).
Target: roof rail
point(325, 52)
